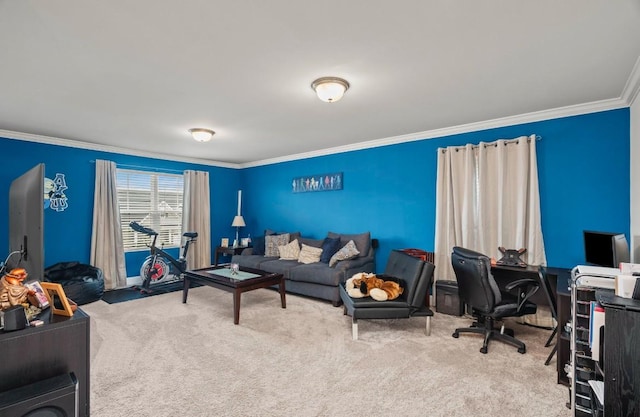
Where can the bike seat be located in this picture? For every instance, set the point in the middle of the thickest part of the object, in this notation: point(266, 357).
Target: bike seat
point(191, 235)
point(141, 229)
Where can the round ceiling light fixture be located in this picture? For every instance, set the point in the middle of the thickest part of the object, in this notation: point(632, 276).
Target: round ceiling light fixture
point(330, 89)
point(202, 135)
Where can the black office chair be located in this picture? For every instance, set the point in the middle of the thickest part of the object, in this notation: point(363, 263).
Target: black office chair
point(416, 277)
point(479, 291)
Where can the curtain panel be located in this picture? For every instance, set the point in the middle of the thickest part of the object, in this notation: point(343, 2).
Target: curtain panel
point(487, 196)
point(107, 249)
point(196, 217)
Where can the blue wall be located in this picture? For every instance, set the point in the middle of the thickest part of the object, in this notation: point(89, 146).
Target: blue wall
point(583, 165)
point(67, 234)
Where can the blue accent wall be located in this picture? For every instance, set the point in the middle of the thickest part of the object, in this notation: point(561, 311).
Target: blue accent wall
point(583, 165)
point(67, 234)
point(583, 169)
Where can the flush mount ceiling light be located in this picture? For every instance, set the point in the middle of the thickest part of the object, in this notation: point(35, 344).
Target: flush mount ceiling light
point(330, 89)
point(202, 135)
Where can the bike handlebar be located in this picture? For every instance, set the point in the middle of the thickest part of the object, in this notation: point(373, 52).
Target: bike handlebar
point(150, 232)
point(141, 229)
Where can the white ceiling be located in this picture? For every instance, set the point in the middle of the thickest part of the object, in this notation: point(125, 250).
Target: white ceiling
point(137, 74)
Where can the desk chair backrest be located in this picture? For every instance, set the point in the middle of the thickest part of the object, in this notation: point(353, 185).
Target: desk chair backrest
point(416, 276)
point(476, 286)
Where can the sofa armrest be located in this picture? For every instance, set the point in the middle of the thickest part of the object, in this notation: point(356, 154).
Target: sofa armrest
point(359, 264)
point(353, 263)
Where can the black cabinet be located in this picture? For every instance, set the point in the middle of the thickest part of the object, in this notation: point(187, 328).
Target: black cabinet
point(59, 347)
point(621, 356)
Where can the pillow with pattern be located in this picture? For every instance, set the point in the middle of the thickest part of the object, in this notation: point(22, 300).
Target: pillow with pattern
point(271, 243)
point(348, 251)
point(309, 254)
point(290, 251)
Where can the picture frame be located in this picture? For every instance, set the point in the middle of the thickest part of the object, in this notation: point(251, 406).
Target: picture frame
point(58, 301)
point(224, 242)
point(244, 242)
point(319, 182)
point(39, 299)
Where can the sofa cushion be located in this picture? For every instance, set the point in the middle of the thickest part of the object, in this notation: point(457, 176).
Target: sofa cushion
point(362, 240)
point(250, 261)
point(290, 251)
point(273, 241)
point(316, 273)
point(329, 247)
point(348, 251)
point(316, 243)
point(309, 254)
point(278, 266)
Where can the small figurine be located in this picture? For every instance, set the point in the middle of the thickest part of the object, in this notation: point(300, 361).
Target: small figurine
point(12, 290)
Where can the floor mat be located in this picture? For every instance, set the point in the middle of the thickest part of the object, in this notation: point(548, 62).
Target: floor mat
point(133, 293)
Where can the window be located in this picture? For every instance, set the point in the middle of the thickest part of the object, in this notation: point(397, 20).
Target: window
point(154, 200)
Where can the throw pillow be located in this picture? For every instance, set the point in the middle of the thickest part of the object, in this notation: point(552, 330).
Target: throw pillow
point(271, 243)
point(290, 251)
point(348, 251)
point(258, 245)
point(309, 254)
point(362, 240)
point(329, 248)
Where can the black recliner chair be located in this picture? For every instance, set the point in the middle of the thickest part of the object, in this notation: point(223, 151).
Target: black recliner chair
point(416, 277)
point(479, 291)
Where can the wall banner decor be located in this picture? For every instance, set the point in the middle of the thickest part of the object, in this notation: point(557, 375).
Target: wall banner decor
point(54, 193)
point(320, 182)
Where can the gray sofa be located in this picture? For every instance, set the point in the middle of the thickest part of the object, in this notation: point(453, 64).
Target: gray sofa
point(317, 279)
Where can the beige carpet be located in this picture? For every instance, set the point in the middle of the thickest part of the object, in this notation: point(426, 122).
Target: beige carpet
point(159, 357)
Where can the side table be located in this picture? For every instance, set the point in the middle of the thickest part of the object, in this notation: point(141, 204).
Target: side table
point(227, 251)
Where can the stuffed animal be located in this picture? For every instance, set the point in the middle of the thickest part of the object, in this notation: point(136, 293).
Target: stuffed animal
point(364, 284)
point(12, 290)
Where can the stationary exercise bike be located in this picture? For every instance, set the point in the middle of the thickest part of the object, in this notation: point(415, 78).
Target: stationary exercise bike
point(159, 265)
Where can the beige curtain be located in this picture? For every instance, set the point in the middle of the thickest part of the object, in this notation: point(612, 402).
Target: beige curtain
point(487, 196)
point(196, 217)
point(107, 249)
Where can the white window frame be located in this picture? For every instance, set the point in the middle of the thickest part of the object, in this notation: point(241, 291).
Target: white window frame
point(153, 199)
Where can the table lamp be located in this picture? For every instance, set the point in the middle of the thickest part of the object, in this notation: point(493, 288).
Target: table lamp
point(238, 222)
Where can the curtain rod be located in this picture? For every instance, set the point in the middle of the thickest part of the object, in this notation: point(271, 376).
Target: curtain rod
point(144, 168)
point(506, 142)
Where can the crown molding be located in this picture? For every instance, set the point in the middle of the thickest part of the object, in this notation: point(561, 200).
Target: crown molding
point(576, 110)
point(632, 87)
point(49, 140)
point(630, 93)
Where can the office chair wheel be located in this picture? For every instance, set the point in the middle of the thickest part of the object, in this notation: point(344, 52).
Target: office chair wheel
point(455, 334)
point(483, 349)
point(522, 350)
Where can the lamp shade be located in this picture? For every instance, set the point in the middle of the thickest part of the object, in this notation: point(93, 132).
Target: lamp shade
point(238, 221)
point(330, 89)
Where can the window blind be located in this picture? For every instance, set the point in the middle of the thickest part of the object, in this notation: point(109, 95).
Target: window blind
point(155, 201)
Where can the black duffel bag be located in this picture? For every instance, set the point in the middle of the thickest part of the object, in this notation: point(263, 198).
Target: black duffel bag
point(81, 282)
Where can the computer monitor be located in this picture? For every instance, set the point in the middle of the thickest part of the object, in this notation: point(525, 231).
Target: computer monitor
point(26, 221)
point(605, 248)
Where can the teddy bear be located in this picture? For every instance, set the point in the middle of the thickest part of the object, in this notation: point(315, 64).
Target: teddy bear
point(365, 284)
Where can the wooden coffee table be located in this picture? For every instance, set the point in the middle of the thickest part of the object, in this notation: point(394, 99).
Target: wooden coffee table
point(246, 279)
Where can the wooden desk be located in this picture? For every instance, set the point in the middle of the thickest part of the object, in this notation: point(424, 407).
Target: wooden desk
point(503, 275)
point(226, 251)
